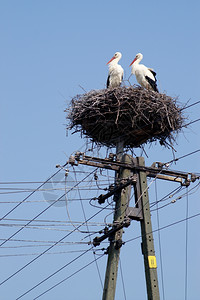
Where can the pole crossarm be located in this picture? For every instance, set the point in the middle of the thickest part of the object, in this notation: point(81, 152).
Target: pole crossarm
point(157, 169)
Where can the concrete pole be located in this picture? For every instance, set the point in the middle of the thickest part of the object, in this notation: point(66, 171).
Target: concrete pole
point(122, 199)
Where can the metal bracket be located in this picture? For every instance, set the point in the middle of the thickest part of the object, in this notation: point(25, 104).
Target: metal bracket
point(110, 233)
point(124, 183)
point(134, 213)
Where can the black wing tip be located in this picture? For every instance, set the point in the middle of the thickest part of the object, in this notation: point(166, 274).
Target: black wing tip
point(153, 72)
point(108, 81)
point(152, 83)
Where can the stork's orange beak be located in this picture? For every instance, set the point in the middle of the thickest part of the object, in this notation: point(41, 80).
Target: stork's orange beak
point(133, 61)
point(111, 60)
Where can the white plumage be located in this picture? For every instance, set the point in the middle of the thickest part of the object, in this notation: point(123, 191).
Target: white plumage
point(146, 77)
point(116, 72)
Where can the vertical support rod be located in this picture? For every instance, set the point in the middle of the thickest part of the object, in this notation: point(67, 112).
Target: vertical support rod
point(147, 236)
point(122, 199)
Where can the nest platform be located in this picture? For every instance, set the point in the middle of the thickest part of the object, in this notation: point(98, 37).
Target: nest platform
point(132, 114)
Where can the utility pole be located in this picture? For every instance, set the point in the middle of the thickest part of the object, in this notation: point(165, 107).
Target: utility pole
point(130, 171)
point(121, 199)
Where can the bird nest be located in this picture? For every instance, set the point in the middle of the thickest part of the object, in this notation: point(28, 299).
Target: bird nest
point(130, 114)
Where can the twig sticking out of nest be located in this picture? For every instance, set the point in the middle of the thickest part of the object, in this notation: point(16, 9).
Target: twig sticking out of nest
point(131, 114)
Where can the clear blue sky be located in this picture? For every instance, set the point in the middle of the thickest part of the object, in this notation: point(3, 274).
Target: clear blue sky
point(48, 50)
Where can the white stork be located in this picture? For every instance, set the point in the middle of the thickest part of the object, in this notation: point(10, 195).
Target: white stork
point(146, 77)
point(116, 72)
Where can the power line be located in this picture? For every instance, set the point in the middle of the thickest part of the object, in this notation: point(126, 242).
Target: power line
point(52, 181)
point(39, 201)
point(197, 186)
point(55, 285)
point(48, 190)
point(55, 222)
point(190, 105)
point(122, 277)
point(197, 120)
point(164, 227)
point(166, 197)
point(63, 223)
point(45, 243)
point(102, 181)
point(57, 271)
point(50, 253)
point(41, 227)
point(191, 153)
point(42, 182)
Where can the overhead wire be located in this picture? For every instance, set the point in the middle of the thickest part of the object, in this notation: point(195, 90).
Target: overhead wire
point(32, 254)
point(55, 222)
point(54, 273)
point(39, 201)
point(66, 278)
point(98, 206)
point(167, 196)
point(122, 278)
point(185, 107)
point(42, 245)
point(45, 243)
point(164, 227)
point(46, 228)
point(197, 186)
point(192, 122)
point(181, 157)
point(42, 190)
